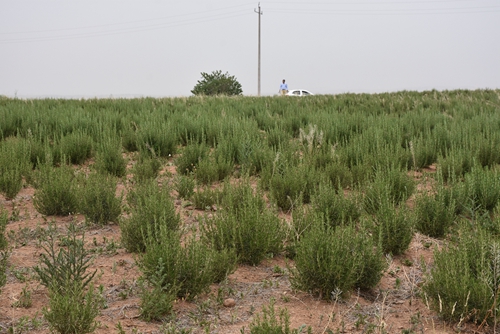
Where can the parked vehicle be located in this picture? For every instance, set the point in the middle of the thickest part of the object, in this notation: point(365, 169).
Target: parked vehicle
point(299, 92)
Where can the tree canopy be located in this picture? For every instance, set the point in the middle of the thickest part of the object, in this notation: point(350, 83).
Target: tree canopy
point(217, 83)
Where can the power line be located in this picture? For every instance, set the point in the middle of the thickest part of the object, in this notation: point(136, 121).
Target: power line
point(126, 22)
point(212, 18)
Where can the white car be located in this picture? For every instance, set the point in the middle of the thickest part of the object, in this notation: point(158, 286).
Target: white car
point(299, 92)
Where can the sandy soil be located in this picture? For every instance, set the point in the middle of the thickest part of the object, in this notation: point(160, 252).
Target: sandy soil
point(394, 306)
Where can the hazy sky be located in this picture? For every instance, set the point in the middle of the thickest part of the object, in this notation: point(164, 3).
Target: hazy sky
point(103, 48)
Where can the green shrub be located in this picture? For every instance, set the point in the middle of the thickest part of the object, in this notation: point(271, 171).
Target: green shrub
point(393, 227)
point(156, 301)
point(14, 164)
point(339, 175)
point(168, 263)
point(4, 255)
point(191, 155)
point(184, 185)
point(76, 147)
point(109, 159)
point(482, 189)
point(434, 214)
point(157, 139)
point(335, 208)
point(463, 282)
point(204, 198)
point(73, 310)
point(151, 207)
point(270, 322)
point(287, 190)
point(73, 301)
point(98, 201)
point(211, 170)
point(146, 168)
point(4, 219)
point(334, 261)
point(55, 192)
point(392, 185)
point(455, 165)
point(246, 226)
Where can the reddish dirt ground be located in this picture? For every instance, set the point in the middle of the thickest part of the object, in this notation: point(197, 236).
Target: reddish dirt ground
point(396, 305)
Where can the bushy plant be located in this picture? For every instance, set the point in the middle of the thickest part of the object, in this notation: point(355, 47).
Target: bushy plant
point(287, 189)
point(73, 311)
point(157, 301)
point(74, 148)
point(392, 185)
point(151, 207)
point(204, 198)
point(335, 208)
point(434, 214)
point(217, 83)
point(394, 228)
point(463, 282)
point(191, 155)
point(109, 158)
point(146, 167)
point(246, 225)
point(4, 219)
point(482, 189)
point(73, 302)
point(184, 186)
point(334, 261)
point(270, 322)
point(211, 170)
point(14, 164)
point(157, 139)
point(55, 190)
point(98, 201)
point(186, 266)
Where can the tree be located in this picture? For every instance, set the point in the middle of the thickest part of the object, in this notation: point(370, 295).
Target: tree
point(217, 83)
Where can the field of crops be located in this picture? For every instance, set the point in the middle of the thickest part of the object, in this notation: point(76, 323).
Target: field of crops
point(352, 213)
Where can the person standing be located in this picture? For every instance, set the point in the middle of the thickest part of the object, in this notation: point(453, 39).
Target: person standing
point(283, 88)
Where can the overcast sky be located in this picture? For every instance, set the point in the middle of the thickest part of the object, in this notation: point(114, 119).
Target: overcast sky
point(126, 48)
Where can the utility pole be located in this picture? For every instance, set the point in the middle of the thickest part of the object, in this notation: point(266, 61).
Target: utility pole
point(258, 76)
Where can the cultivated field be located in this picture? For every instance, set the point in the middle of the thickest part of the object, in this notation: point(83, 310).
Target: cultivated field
point(326, 214)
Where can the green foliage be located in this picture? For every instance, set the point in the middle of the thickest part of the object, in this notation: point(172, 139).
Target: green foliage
point(73, 301)
point(157, 301)
point(463, 282)
point(335, 208)
point(146, 168)
point(204, 198)
point(217, 83)
point(245, 225)
point(434, 214)
point(389, 185)
point(334, 261)
point(55, 192)
point(482, 189)
point(151, 208)
point(393, 227)
point(98, 201)
point(4, 256)
point(191, 155)
point(73, 311)
point(169, 264)
point(184, 186)
point(109, 158)
point(75, 147)
point(14, 164)
point(4, 219)
point(272, 322)
point(62, 266)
